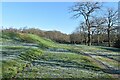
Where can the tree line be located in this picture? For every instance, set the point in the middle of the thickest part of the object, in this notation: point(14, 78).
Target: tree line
point(77, 37)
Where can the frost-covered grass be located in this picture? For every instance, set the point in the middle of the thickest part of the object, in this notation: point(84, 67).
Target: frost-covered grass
point(110, 62)
point(77, 59)
point(60, 72)
point(65, 61)
point(97, 49)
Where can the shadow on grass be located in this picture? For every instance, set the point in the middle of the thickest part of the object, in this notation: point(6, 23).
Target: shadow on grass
point(110, 56)
point(111, 71)
point(111, 49)
point(66, 64)
point(69, 64)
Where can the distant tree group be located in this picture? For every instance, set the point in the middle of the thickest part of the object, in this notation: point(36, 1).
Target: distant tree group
point(99, 29)
point(57, 36)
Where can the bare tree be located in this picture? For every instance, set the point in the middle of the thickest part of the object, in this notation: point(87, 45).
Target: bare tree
point(98, 23)
point(112, 18)
point(86, 9)
point(83, 30)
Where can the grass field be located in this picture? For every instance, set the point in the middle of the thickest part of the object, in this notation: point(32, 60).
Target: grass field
point(31, 56)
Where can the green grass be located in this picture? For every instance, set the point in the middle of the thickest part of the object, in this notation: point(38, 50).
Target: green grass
point(58, 72)
point(13, 47)
point(111, 62)
point(95, 49)
point(30, 54)
point(57, 65)
point(11, 67)
point(31, 38)
point(16, 68)
point(75, 59)
point(0, 69)
point(47, 43)
point(10, 35)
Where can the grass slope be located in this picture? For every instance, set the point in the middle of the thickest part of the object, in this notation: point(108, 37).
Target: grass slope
point(37, 62)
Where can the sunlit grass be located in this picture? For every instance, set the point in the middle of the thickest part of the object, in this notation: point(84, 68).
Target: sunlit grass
point(71, 64)
point(30, 54)
point(111, 62)
point(11, 67)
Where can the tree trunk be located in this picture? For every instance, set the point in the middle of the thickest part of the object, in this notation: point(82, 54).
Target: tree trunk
point(98, 39)
point(109, 38)
point(85, 39)
point(89, 37)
